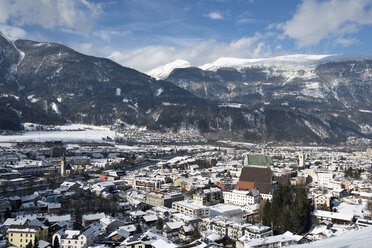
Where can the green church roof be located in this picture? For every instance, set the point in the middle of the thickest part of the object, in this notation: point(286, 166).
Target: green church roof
point(258, 159)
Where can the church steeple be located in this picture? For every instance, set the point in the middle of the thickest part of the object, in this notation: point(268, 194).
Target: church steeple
point(63, 165)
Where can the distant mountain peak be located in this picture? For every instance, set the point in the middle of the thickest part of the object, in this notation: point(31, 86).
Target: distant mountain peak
point(293, 59)
point(163, 71)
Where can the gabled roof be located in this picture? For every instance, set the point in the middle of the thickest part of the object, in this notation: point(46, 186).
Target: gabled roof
point(244, 185)
point(256, 177)
point(256, 174)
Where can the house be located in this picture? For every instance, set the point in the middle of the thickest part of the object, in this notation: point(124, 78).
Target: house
point(54, 208)
point(88, 219)
point(187, 233)
point(110, 224)
point(242, 197)
point(171, 229)
point(258, 231)
point(191, 208)
point(208, 197)
point(149, 220)
point(285, 239)
point(322, 201)
point(76, 238)
point(155, 198)
point(118, 236)
point(237, 230)
point(337, 218)
point(227, 211)
point(148, 239)
point(25, 231)
point(148, 183)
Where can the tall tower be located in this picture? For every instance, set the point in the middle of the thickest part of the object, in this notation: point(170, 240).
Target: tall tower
point(63, 166)
point(301, 158)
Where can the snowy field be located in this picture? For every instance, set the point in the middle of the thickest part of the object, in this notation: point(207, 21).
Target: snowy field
point(353, 239)
point(65, 133)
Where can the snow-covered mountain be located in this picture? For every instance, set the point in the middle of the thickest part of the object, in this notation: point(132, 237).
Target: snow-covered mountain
point(287, 61)
point(290, 63)
point(49, 83)
point(163, 71)
point(334, 88)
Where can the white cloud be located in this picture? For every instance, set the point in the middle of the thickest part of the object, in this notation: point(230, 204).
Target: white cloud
point(4, 13)
point(49, 13)
point(346, 42)
point(149, 57)
point(13, 32)
point(107, 34)
point(214, 16)
point(85, 48)
point(246, 20)
point(315, 21)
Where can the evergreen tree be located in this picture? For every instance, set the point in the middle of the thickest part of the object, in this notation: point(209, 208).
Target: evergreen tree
point(289, 210)
point(266, 219)
point(138, 228)
point(8, 214)
point(56, 243)
point(160, 224)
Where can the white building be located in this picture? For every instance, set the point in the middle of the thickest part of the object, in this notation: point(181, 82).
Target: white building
point(285, 239)
point(241, 197)
point(147, 183)
point(31, 167)
point(75, 238)
point(190, 207)
point(324, 177)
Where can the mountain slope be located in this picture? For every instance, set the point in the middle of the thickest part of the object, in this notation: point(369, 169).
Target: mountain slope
point(52, 84)
point(333, 89)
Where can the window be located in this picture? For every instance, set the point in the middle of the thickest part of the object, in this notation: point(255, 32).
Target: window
point(11, 234)
point(26, 235)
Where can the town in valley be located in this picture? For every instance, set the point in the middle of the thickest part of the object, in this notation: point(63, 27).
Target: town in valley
point(137, 188)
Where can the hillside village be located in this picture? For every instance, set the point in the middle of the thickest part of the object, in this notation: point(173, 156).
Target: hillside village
point(180, 194)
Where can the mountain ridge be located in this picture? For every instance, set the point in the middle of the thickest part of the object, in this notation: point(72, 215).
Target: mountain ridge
point(53, 84)
point(162, 72)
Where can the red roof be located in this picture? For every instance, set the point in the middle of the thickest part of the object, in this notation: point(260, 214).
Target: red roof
point(244, 185)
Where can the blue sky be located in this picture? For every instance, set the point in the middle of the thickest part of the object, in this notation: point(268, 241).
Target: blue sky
point(144, 34)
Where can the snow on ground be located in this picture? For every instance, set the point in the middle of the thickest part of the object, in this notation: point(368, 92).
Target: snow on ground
point(55, 107)
point(296, 59)
point(319, 131)
point(65, 133)
point(159, 91)
point(365, 111)
point(366, 129)
point(10, 95)
point(230, 105)
point(353, 239)
point(163, 71)
point(169, 104)
point(353, 209)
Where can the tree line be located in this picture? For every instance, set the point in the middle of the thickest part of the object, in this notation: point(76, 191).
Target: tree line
point(289, 210)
